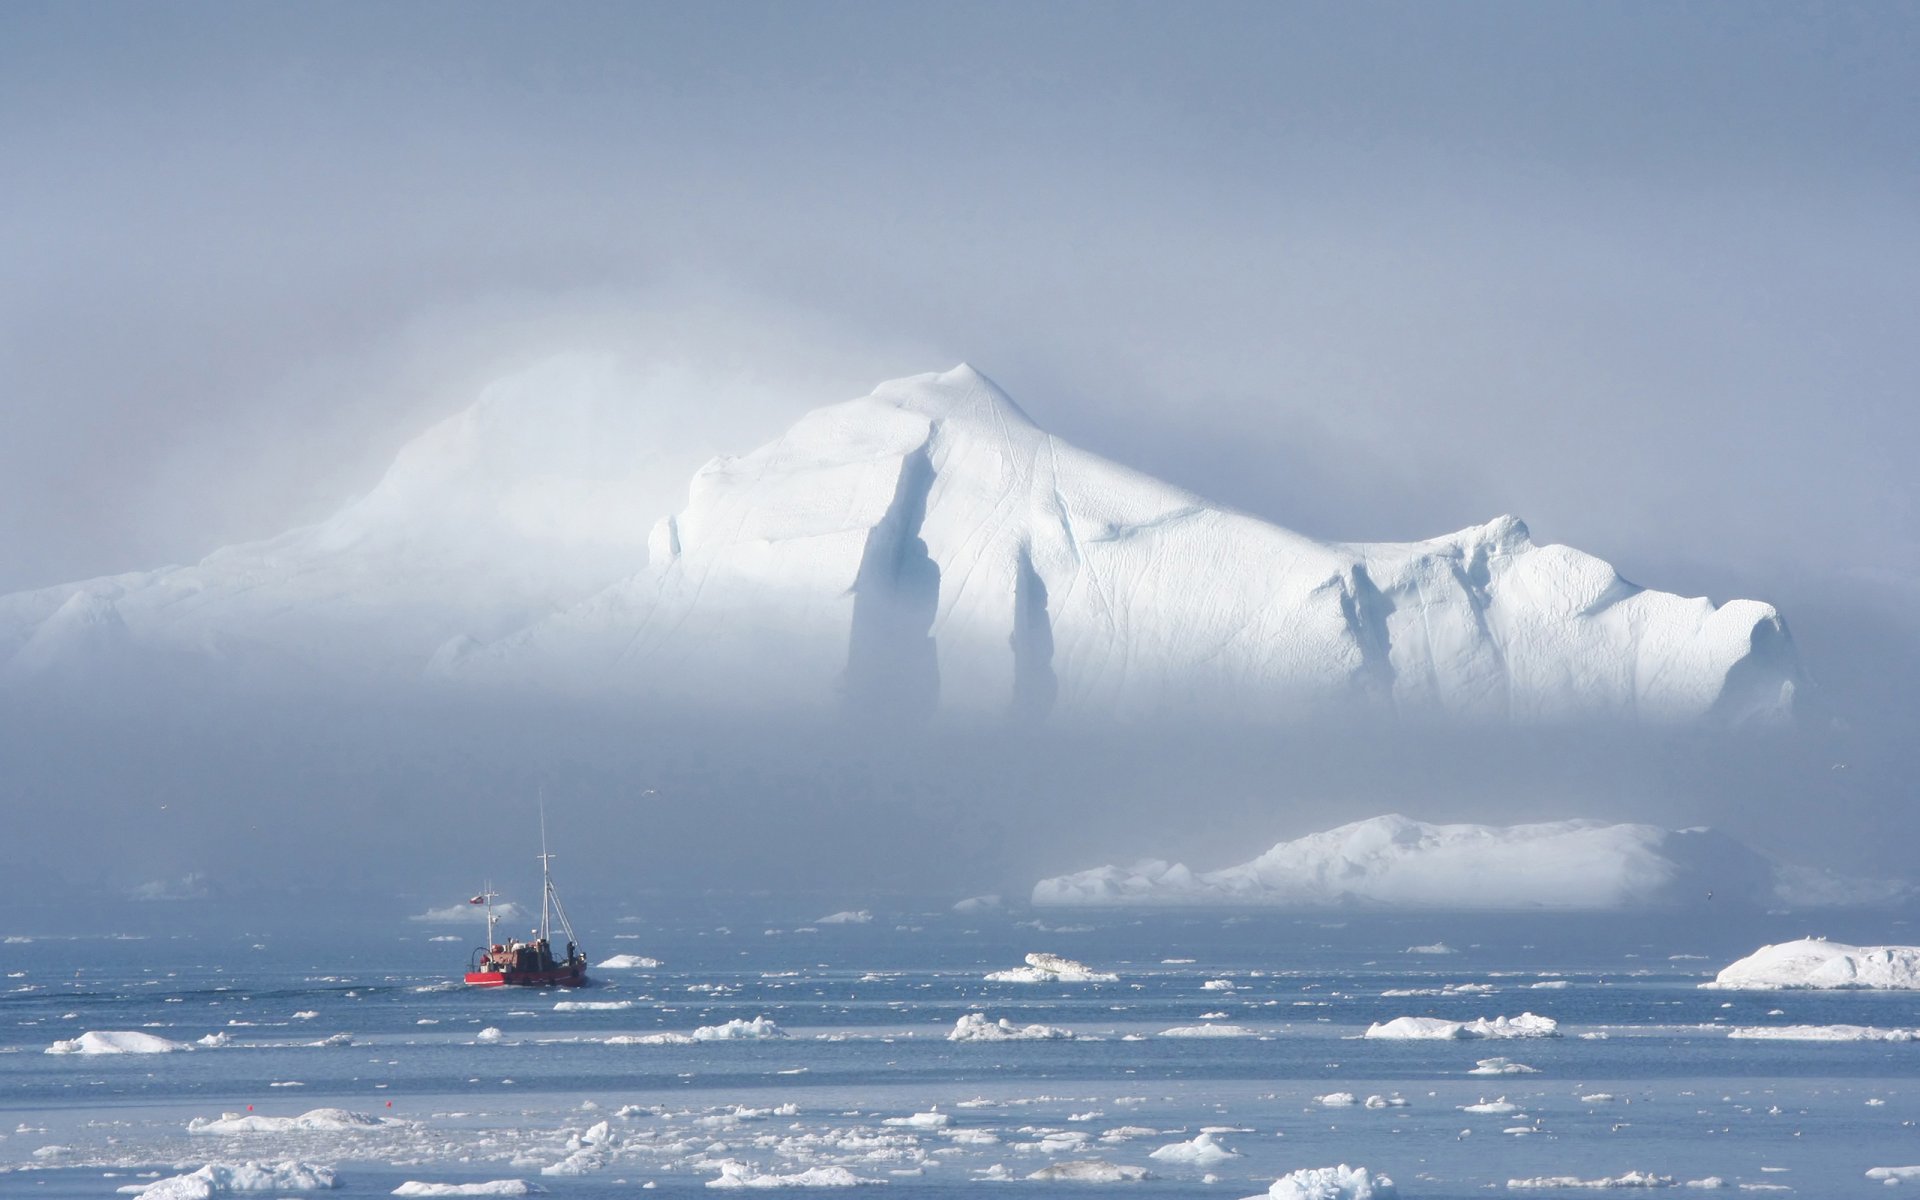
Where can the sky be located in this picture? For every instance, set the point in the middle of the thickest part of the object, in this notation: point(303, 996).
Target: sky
point(1642, 274)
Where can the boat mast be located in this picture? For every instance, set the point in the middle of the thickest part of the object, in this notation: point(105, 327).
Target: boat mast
point(546, 877)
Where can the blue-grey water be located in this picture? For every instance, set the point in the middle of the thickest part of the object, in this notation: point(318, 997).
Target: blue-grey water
point(866, 1008)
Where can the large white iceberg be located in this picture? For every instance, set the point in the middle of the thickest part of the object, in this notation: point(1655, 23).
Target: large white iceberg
point(925, 550)
point(1818, 963)
point(1397, 862)
point(1051, 968)
point(219, 1179)
point(117, 1041)
point(1331, 1183)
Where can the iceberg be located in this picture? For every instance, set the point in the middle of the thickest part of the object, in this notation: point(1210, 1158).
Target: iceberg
point(1818, 963)
point(926, 550)
point(1526, 1025)
point(1395, 862)
point(1090, 1170)
point(1822, 1033)
point(1331, 1183)
point(1632, 1179)
point(975, 1027)
point(1051, 968)
point(491, 1187)
point(629, 962)
point(219, 1179)
point(736, 1174)
point(327, 1120)
point(736, 1030)
point(1200, 1151)
point(112, 1041)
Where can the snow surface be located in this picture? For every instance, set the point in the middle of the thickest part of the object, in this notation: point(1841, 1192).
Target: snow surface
point(1331, 1183)
point(1051, 968)
point(1818, 963)
point(113, 1041)
point(1397, 862)
point(925, 548)
point(975, 1027)
point(1526, 1025)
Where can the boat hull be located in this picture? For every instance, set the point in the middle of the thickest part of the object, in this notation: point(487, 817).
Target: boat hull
point(557, 977)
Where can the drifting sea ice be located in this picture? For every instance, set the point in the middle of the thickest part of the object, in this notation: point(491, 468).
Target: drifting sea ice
point(1200, 1151)
point(1331, 1183)
point(1526, 1025)
point(1818, 963)
point(1051, 968)
point(1090, 1170)
point(854, 917)
point(736, 1174)
point(591, 1005)
point(1632, 1179)
point(1208, 1031)
point(492, 1187)
point(329, 1120)
point(216, 1179)
point(975, 1027)
point(117, 1042)
point(1823, 1033)
point(1502, 1066)
point(628, 962)
point(732, 1031)
point(1893, 1175)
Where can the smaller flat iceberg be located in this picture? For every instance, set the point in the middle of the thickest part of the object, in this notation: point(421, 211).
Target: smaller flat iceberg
point(736, 1174)
point(117, 1041)
point(1051, 968)
point(1823, 1033)
point(220, 1179)
point(491, 1187)
point(975, 1027)
point(1818, 963)
point(317, 1120)
point(1406, 1029)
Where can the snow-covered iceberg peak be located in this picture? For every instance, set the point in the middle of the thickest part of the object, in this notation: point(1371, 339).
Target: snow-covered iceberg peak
point(1396, 862)
point(929, 550)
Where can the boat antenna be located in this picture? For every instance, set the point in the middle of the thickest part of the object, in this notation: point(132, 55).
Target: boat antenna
point(546, 872)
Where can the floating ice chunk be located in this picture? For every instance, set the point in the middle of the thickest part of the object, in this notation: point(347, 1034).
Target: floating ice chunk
point(629, 962)
point(215, 1041)
point(1432, 948)
point(305, 1014)
point(591, 1005)
point(1526, 1025)
point(1090, 1170)
point(1632, 1179)
point(493, 1187)
point(854, 917)
point(736, 1174)
point(1051, 968)
point(1200, 1151)
point(1331, 1183)
point(489, 1036)
point(1823, 1033)
point(114, 1041)
point(973, 904)
point(334, 1040)
point(329, 1120)
point(1492, 1108)
point(1894, 1174)
point(1336, 1100)
point(732, 1031)
point(217, 1179)
point(925, 1120)
point(975, 1027)
point(1208, 1031)
point(1217, 985)
point(1502, 1066)
point(1394, 1101)
point(1818, 963)
point(1710, 1182)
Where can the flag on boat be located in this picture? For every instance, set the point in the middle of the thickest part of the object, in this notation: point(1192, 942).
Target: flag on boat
point(478, 900)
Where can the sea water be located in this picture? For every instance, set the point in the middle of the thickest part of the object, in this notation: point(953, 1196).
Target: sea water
point(568, 1097)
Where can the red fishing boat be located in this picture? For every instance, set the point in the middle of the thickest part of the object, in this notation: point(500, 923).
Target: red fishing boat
point(531, 963)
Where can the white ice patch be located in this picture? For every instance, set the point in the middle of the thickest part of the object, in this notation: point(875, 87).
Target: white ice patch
point(219, 1179)
point(115, 1041)
point(329, 1120)
point(1632, 1179)
point(1823, 1033)
point(1090, 1170)
point(735, 1174)
point(492, 1187)
point(732, 1031)
point(1526, 1025)
point(1200, 1151)
point(1818, 963)
point(1893, 1175)
point(1051, 968)
point(1502, 1066)
point(852, 917)
point(629, 962)
point(1331, 1183)
point(975, 1027)
point(591, 1005)
point(1208, 1031)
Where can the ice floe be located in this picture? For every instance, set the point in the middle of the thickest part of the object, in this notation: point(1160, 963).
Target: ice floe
point(327, 1120)
point(1208, 1031)
point(1331, 1183)
point(1502, 1066)
point(736, 1174)
point(1526, 1025)
point(628, 962)
point(735, 1030)
point(1632, 1179)
point(1090, 1170)
point(221, 1178)
point(1822, 1033)
point(852, 917)
point(117, 1041)
point(1051, 968)
point(491, 1187)
point(975, 1027)
point(1818, 963)
point(1893, 1175)
point(1200, 1151)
